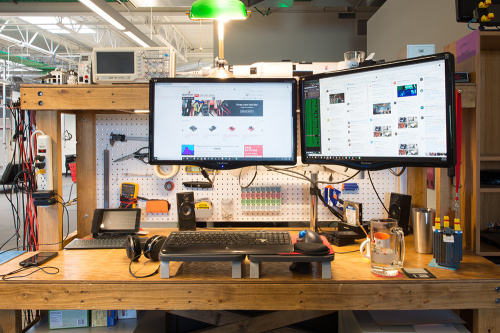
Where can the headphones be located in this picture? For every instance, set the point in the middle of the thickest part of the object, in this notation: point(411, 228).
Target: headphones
point(151, 248)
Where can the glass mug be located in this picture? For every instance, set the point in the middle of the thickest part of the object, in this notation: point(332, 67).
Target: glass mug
point(387, 247)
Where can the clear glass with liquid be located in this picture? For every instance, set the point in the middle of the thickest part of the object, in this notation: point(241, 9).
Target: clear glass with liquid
point(387, 247)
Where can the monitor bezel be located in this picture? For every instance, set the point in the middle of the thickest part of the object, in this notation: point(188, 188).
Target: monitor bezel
point(391, 162)
point(230, 164)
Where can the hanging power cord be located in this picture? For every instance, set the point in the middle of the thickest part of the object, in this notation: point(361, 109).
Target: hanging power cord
point(399, 173)
point(471, 21)
point(375, 190)
point(251, 181)
point(65, 209)
point(23, 183)
point(295, 174)
point(24, 211)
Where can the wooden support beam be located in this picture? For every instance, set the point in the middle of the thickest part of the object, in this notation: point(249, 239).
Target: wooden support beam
point(50, 218)
point(486, 320)
point(10, 321)
point(85, 170)
point(416, 181)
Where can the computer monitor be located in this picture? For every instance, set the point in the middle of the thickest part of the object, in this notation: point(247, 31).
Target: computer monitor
point(399, 113)
point(223, 123)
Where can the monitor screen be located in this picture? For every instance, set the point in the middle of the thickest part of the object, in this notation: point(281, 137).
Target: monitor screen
point(223, 123)
point(400, 113)
point(464, 10)
point(115, 62)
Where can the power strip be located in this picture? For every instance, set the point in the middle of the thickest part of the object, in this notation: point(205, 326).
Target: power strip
point(43, 163)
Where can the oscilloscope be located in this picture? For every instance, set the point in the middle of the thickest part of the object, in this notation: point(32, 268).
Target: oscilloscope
point(132, 64)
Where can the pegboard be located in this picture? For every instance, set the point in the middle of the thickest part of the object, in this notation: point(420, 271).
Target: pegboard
point(294, 192)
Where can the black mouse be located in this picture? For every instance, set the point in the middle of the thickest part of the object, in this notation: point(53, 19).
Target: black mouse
point(310, 243)
point(309, 236)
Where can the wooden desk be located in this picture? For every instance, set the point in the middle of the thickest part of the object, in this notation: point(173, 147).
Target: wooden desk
point(99, 279)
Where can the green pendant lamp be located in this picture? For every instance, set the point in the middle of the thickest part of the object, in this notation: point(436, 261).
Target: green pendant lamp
point(222, 11)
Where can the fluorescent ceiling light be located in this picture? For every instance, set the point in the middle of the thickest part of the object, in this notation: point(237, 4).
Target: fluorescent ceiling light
point(144, 3)
point(102, 13)
point(136, 39)
point(49, 23)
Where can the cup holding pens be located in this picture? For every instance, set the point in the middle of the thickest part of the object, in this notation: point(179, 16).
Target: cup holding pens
point(385, 248)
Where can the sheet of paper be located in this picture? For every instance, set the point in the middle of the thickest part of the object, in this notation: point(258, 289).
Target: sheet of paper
point(467, 46)
point(449, 328)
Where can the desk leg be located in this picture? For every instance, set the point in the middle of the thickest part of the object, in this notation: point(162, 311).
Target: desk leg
point(165, 269)
point(236, 266)
point(486, 320)
point(326, 269)
point(10, 321)
point(254, 269)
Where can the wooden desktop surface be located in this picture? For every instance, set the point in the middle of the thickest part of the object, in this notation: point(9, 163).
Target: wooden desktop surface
point(99, 279)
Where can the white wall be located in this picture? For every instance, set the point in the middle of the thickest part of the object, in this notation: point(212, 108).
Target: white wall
point(297, 35)
point(401, 22)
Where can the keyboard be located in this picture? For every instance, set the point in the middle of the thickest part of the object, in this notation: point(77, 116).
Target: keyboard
point(97, 243)
point(228, 242)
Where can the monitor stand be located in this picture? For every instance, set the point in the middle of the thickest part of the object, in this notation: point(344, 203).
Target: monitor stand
point(313, 210)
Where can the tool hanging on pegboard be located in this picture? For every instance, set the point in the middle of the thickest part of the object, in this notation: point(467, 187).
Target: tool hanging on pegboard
point(123, 138)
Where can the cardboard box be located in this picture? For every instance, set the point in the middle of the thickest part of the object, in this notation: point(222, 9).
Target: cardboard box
point(68, 319)
point(127, 314)
point(103, 318)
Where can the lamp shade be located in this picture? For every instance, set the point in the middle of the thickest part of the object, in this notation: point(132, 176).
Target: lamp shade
point(218, 10)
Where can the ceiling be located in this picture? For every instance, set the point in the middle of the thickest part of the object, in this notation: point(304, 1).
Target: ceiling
point(38, 35)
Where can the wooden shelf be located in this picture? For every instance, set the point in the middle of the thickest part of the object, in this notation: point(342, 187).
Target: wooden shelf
point(488, 250)
point(468, 91)
point(480, 134)
point(490, 189)
point(113, 97)
point(489, 158)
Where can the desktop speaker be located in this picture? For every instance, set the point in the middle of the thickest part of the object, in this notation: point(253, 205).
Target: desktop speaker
point(185, 211)
point(400, 209)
